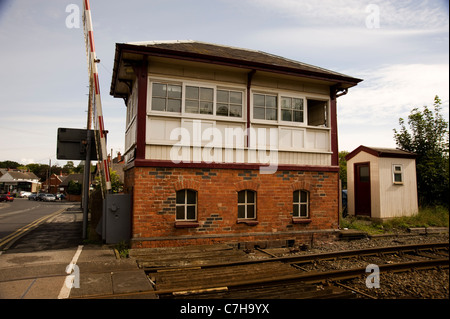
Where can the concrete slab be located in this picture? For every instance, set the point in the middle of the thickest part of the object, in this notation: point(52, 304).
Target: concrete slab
point(130, 281)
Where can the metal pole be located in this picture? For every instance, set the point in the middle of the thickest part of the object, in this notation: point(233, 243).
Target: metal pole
point(86, 183)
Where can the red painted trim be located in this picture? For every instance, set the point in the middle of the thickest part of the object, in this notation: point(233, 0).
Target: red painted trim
point(96, 83)
point(86, 5)
point(141, 72)
point(101, 126)
point(91, 40)
point(333, 126)
point(281, 167)
point(105, 166)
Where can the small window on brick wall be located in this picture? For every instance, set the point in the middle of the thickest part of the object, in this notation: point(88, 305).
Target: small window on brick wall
point(186, 205)
point(301, 204)
point(246, 204)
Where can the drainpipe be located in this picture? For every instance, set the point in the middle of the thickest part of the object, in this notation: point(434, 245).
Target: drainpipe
point(249, 85)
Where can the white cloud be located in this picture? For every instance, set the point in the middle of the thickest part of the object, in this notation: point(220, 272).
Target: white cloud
point(370, 111)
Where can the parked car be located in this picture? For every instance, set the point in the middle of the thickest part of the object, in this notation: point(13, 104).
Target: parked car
point(48, 198)
point(6, 198)
point(40, 196)
point(32, 196)
point(24, 194)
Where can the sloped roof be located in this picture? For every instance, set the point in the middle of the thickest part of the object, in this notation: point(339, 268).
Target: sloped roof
point(381, 152)
point(223, 55)
point(19, 176)
point(72, 177)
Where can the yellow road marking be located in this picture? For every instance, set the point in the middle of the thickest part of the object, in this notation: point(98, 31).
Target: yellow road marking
point(22, 231)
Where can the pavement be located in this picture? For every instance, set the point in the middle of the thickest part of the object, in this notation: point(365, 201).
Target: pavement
point(52, 262)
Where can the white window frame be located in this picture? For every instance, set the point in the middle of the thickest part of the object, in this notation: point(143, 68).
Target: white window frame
point(396, 172)
point(246, 204)
point(296, 214)
point(200, 84)
point(185, 205)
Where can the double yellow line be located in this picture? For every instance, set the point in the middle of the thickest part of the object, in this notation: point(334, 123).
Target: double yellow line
point(7, 241)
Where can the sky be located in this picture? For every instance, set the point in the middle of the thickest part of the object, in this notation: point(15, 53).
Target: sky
point(399, 48)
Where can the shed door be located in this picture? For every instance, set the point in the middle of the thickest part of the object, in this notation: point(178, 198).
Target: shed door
point(362, 189)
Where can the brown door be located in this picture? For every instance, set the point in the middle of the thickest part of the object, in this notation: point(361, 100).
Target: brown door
point(362, 189)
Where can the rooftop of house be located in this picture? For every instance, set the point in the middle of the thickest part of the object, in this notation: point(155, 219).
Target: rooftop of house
point(381, 152)
point(198, 51)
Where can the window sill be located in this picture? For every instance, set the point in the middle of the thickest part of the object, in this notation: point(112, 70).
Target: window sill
point(249, 222)
point(299, 220)
point(186, 224)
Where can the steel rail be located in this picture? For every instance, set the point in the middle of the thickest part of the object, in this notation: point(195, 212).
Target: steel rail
point(308, 278)
point(313, 257)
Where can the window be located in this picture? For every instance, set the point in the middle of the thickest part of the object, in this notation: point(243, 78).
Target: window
point(199, 100)
point(301, 199)
point(397, 172)
point(292, 109)
point(247, 204)
point(166, 97)
point(265, 107)
point(186, 205)
point(317, 113)
point(229, 103)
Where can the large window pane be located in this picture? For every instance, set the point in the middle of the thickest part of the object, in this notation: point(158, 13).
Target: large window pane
point(222, 109)
point(236, 111)
point(250, 211)
point(191, 212)
point(259, 113)
point(206, 94)
point(192, 106)
point(271, 114)
point(158, 104)
point(222, 96)
point(259, 100)
point(159, 90)
point(174, 91)
point(174, 106)
point(236, 97)
point(241, 211)
point(180, 212)
point(192, 92)
point(206, 108)
point(286, 115)
point(191, 197)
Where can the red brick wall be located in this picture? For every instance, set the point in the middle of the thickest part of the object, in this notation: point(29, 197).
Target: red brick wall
point(154, 190)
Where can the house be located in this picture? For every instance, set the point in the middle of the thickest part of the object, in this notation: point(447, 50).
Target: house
point(381, 182)
point(52, 185)
point(64, 186)
point(224, 144)
point(16, 181)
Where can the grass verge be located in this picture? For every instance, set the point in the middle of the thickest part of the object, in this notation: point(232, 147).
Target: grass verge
point(427, 217)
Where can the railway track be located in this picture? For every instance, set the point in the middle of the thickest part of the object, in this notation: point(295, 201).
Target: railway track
point(288, 277)
point(204, 274)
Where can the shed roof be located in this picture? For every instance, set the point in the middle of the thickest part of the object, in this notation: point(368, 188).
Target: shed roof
point(224, 55)
point(381, 152)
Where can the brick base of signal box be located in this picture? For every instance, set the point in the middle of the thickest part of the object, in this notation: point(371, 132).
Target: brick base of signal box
point(154, 207)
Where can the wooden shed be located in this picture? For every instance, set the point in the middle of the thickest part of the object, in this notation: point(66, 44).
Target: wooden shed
point(381, 182)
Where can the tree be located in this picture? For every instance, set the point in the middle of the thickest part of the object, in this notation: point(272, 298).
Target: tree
point(427, 136)
point(343, 168)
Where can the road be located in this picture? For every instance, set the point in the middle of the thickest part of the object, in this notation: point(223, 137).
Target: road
point(21, 215)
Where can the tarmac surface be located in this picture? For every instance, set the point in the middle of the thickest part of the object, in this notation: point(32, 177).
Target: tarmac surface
point(51, 262)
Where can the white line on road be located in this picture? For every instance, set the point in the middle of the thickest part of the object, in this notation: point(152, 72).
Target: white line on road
point(69, 282)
